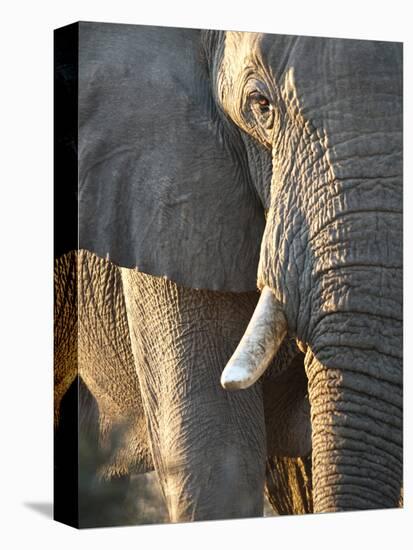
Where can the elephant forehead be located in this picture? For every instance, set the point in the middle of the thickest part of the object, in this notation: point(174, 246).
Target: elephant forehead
point(316, 55)
point(333, 68)
point(334, 64)
point(337, 84)
point(240, 48)
point(239, 58)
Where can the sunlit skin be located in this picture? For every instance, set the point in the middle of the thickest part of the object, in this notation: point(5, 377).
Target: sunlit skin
point(240, 161)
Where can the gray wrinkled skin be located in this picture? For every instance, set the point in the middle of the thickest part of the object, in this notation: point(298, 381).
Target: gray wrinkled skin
point(208, 445)
point(332, 247)
point(150, 397)
point(180, 170)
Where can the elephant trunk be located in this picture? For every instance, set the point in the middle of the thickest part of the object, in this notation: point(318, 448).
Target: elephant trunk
point(352, 310)
point(356, 429)
point(354, 358)
point(332, 256)
point(258, 346)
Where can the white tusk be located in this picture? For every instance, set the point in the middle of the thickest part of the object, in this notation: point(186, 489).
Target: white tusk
point(261, 340)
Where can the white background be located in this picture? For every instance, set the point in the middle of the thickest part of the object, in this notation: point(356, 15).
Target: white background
point(26, 228)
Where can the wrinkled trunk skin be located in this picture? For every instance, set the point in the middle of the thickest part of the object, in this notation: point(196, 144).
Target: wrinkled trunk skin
point(351, 321)
point(357, 431)
point(354, 363)
point(332, 253)
point(208, 445)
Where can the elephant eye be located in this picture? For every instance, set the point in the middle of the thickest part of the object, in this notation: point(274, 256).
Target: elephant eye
point(260, 101)
point(260, 116)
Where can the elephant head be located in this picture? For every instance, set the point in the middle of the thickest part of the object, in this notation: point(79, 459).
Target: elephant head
point(328, 112)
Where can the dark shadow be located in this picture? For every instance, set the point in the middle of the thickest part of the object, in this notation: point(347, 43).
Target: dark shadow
point(43, 508)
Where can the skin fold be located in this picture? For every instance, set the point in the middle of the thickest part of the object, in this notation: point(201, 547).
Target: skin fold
point(240, 160)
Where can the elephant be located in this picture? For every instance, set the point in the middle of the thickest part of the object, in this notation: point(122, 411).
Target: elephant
point(330, 269)
point(211, 164)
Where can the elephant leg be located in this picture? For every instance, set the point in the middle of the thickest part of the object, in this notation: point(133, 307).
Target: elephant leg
point(289, 485)
point(208, 445)
point(287, 414)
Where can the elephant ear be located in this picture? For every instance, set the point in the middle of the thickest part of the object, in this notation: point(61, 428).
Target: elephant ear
point(163, 186)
